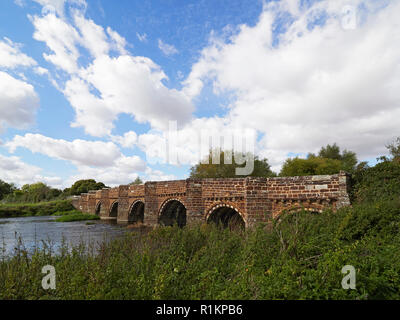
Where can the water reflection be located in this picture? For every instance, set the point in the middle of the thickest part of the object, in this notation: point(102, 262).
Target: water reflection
point(33, 231)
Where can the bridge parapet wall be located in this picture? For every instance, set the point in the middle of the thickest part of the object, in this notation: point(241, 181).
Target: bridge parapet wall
point(255, 198)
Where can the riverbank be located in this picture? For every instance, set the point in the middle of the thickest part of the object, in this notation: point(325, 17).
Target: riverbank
point(75, 215)
point(299, 257)
point(9, 210)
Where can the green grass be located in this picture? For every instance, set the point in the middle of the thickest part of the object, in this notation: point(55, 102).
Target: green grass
point(300, 257)
point(77, 217)
point(34, 209)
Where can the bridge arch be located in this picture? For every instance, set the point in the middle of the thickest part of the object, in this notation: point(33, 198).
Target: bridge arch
point(113, 212)
point(226, 216)
point(99, 207)
point(136, 212)
point(172, 211)
point(297, 208)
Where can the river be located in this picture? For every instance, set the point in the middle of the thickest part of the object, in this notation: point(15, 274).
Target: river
point(34, 230)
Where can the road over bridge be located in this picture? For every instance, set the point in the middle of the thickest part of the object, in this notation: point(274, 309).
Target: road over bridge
point(246, 201)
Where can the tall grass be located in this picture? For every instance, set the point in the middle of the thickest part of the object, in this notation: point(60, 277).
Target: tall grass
point(300, 257)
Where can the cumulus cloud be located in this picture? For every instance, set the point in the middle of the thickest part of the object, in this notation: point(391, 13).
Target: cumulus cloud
point(60, 38)
point(99, 160)
point(13, 169)
point(130, 85)
point(314, 83)
point(11, 55)
point(18, 102)
point(79, 152)
point(128, 140)
point(167, 49)
point(123, 171)
point(107, 85)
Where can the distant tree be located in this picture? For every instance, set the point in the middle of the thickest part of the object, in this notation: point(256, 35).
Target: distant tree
point(223, 170)
point(394, 149)
point(6, 188)
point(328, 161)
point(34, 192)
point(83, 186)
point(330, 152)
point(137, 181)
point(311, 166)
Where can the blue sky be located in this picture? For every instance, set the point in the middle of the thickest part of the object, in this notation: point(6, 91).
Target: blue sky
point(88, 88)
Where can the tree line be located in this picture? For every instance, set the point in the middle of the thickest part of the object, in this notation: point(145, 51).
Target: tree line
point(39, 191)
point(329, 160)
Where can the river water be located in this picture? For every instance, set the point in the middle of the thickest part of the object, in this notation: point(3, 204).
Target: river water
point(33, 231)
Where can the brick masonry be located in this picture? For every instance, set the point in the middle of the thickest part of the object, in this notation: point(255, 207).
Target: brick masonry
point(254, 199)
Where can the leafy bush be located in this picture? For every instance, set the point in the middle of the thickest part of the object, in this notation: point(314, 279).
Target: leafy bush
point(379, 182)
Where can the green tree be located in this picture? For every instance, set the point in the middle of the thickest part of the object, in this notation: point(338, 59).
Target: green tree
point(311, 166)
point(83, 186)
point(328, 161)
point(137, 181)
point(394, 149)
point(6, 188)
point(330, 152)
point(225, 170)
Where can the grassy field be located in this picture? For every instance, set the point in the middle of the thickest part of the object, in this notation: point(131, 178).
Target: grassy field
point(299, 258)
point(9, 210)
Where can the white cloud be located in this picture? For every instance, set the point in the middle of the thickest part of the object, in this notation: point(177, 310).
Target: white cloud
point(123, 171)
point(79, 152)
point(93, 36)
point(316, 85)
point(167, 49)
point(99, 160)
point(128, 140)
point(119, 41)
point(157, 175)
point(60, 38)
point(18, 102)
point(130, 85)
point(11, 55)
point(12, 169)
point(108, 86)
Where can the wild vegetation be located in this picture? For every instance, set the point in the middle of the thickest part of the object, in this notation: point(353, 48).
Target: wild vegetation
point(299, 256)
point(9, 210)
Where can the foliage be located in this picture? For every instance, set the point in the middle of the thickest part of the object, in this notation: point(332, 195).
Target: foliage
point(310, 166)
point(34, 209)
point(328, 161)
point(300, 256)
point(33, 193)
point(394, 149)
point(379, 182)
point(6, 188)
point(137, 181)
point(225, 170)
point(84, 186)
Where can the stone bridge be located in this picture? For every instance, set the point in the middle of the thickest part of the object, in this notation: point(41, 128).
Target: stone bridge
point(245, 200)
